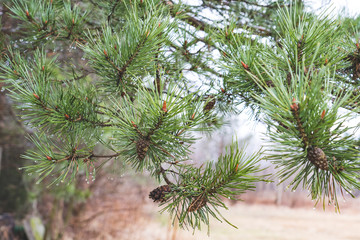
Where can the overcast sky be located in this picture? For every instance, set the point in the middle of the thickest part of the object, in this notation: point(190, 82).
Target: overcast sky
point(351, 6)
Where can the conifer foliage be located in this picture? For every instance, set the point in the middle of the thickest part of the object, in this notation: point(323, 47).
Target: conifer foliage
point(301, 88)
point(128, 94)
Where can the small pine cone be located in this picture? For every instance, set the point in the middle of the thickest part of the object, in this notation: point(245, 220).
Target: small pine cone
point(197, 203)
point(356, 72)
point(210, 105)
point(288, 78)
point(142, 146)
point(338, 166)
point(317, 157)
point(158, 194)
point(269, 83)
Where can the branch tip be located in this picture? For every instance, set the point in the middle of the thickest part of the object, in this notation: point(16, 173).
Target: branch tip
point(323, 114)
point(246, 67)
point(164, 107)
point(36, 96)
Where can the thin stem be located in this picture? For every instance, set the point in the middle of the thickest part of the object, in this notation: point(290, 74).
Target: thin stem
point(162, 171)
point(105, 156)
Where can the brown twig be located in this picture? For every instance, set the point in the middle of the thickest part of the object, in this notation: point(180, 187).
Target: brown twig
point(295, 110)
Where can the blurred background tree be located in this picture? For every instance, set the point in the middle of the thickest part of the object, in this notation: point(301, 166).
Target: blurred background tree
point(131, 81)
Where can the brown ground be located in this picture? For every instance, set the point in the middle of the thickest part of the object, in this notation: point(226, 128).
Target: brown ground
point(121, 210)
point(266, 222)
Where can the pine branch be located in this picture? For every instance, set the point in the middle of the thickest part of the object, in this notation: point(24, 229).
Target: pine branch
point(112, 11)
point(296, 79)
point(131, 59)
point(295, 108)
point(197, 192)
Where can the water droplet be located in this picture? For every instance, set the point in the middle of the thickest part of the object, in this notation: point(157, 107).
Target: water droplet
point(57, 184)
point(314, 208)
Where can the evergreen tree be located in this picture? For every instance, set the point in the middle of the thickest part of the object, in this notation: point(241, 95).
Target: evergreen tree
point(133, 91)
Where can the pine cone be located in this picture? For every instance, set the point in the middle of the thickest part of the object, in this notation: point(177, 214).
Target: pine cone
point(210, 105)
point(288, 78)
point(197, 203)
point(317, 157)
point(270, 83)
point(338, 166)
point(356, 72)
point(142, 146)
point(158, 194)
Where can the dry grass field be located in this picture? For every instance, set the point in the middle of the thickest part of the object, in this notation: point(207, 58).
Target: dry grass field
point(121, 210)
point(265, 222)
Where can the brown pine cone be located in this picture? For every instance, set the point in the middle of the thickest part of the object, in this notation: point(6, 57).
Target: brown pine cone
point(210, 105)
point(158, 194)
point(317, 157)
point(142, 146)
